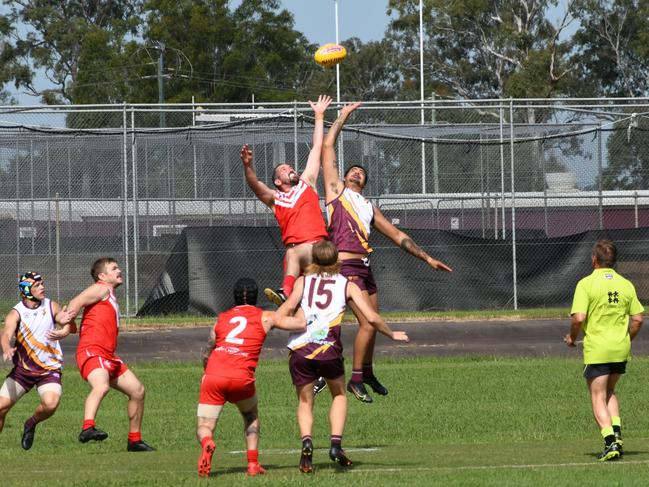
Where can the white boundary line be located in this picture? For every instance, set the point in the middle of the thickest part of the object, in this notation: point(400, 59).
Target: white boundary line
point(272, 451)
point(397, 470)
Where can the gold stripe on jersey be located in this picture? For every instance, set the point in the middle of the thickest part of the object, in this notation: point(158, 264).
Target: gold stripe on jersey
point(20, 338)
point(337, 320)
point(350, 209)
point(30, 337)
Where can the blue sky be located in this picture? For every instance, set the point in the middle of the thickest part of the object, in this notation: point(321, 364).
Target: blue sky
point(365, 19)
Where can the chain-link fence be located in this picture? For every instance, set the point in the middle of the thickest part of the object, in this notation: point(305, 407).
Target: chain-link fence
point(77, 183)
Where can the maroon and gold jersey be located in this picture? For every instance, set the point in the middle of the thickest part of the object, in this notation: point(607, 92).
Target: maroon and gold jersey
point(350, 218)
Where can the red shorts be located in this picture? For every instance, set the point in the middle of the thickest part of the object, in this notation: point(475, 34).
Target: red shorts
point(113, 365)
point(217, 390)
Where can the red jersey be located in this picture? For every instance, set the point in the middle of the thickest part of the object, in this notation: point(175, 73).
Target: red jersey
point(299, 216)
point(99, 327)
point(239, 338)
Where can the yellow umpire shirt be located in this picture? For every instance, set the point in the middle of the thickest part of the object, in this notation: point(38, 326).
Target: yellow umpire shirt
point(607, 299)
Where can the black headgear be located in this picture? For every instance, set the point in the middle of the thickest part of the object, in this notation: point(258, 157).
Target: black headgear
point(26, 282)
point(245, 292)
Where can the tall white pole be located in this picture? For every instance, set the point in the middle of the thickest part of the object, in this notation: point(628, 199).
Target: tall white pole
point(421, 90)
point(337, 65)
point(341, 155)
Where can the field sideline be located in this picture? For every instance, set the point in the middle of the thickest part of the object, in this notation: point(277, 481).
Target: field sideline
point(451, 421)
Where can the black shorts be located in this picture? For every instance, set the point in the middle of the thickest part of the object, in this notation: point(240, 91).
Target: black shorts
point(596, 370)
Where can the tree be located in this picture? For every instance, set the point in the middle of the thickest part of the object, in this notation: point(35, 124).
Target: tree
point(611, 47)
point(60, 36)
point(220, 55)
point(482, 49)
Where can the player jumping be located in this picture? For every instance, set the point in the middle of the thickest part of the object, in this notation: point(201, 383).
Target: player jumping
point(295, 204)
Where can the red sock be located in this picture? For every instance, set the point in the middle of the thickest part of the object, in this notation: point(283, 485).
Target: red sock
point(134, 436)
point(88, 423)
point(287, 285)
point(205, 440)
point(253, 456)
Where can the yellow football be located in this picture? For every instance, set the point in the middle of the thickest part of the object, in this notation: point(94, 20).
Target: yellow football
point(330, 55)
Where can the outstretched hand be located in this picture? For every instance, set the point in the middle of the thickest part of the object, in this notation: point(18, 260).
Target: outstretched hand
point(439, 265)
point(349, 108)
point(64, 316)
point(321, 105)
point(400, 336)
point(246, 155)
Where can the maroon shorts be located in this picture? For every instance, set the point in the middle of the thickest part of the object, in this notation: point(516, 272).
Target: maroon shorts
point(27, 379)
point(359, 272)
point(306, 371)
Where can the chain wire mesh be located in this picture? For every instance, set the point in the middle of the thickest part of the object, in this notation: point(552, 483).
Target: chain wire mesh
point(77, 183)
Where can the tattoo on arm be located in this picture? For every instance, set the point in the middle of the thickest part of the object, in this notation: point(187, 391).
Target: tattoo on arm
point(207, 351)
point(411, 247)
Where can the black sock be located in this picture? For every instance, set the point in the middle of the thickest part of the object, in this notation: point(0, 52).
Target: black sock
point(608, 440)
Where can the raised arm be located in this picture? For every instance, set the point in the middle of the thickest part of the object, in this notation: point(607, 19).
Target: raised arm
point(11, 324)
point(263, 192)
point(91, 295)
point(310, 173)
point(63, 317)
point(405, 242)
point(355, 294)
point(332, 183)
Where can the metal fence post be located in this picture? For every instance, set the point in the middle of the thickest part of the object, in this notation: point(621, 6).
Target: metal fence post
point(502, 169)
point(295, 153)
point(125, 205)
point(136, 211)
point(600, 177)
point(57, 229)
point(513, 200)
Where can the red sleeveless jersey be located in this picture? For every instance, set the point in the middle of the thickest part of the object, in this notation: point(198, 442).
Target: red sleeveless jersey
point(299, 216)
point(99, 327)
point(239, 338)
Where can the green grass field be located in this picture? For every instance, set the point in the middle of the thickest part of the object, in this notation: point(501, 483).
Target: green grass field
point(471, 421)
point(390, 316)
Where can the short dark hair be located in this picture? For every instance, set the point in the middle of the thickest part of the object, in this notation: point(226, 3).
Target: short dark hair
point(360, 167)
point(245, 292)
point(100, 266)
point(605, 252)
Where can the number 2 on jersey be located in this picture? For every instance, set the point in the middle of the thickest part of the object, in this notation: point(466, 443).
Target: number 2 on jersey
point(241, 325)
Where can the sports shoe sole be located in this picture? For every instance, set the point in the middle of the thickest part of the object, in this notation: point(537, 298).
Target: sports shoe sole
point(366, 398)
point(273, 296)
point(610, 456)
point(306, 460)
point(205, 460)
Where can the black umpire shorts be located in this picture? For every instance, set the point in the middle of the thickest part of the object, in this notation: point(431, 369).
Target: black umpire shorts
point(595, 370)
